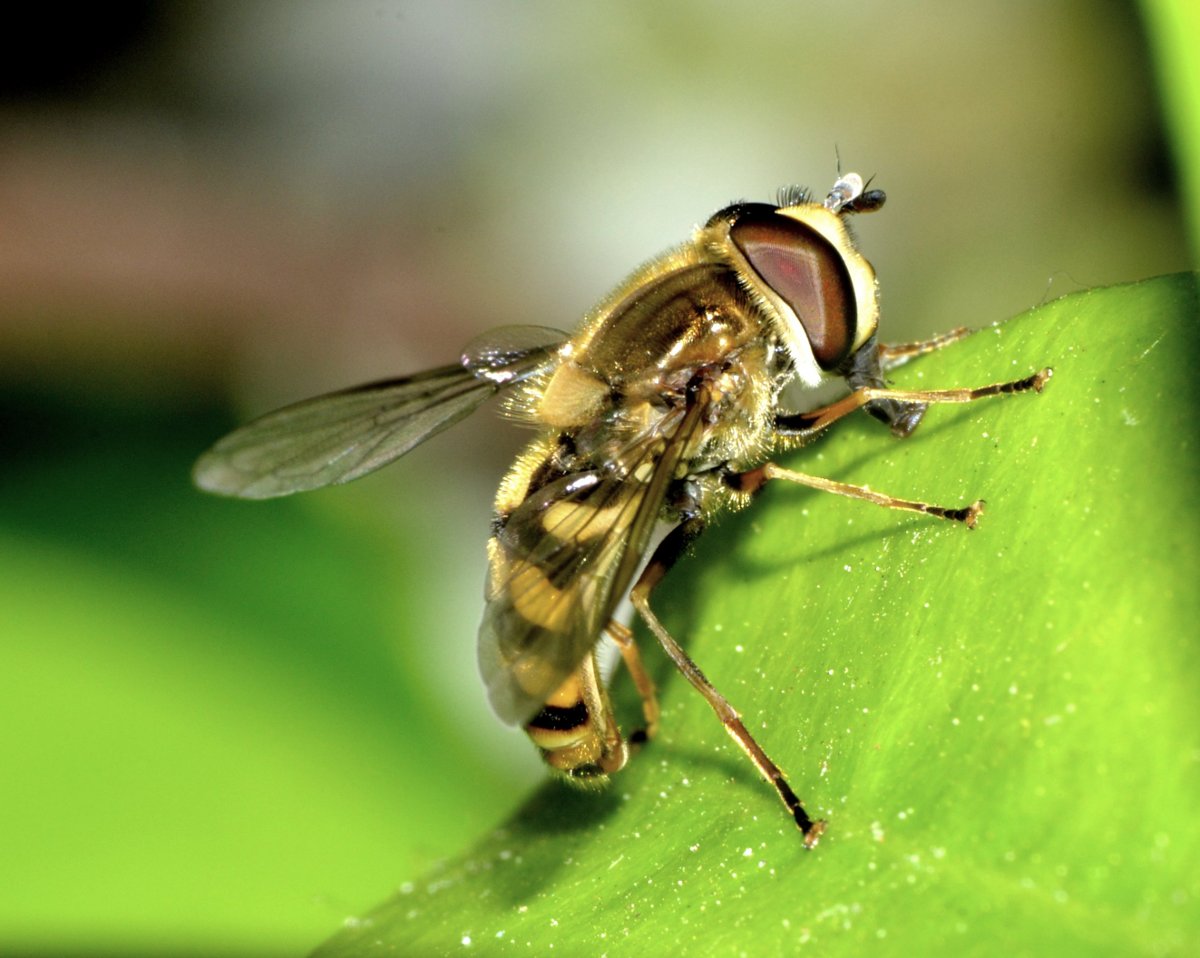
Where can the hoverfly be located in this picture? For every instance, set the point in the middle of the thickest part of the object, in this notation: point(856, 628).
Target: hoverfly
point(663, 408)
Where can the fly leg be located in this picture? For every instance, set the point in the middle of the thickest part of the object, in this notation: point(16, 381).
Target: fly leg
point(754, 479)
point(623, 637)
point(664, 557)
point(869, 364)
point(892, 355)
point(902, 408)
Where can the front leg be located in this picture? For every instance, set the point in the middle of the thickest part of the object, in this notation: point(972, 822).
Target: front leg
point(906, 402)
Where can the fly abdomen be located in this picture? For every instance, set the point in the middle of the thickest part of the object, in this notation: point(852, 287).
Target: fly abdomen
point(575, 730)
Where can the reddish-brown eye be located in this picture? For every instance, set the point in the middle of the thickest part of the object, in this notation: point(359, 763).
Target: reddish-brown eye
point(808, 273)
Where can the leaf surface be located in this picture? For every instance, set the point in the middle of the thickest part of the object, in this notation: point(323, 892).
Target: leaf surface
point(1002, 726)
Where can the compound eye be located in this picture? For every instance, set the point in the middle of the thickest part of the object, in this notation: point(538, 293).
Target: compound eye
point(809, 274)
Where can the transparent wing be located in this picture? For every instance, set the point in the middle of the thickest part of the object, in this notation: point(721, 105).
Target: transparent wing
point(340, 436)
point(561, 564)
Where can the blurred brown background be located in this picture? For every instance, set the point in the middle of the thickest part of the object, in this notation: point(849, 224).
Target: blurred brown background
point(278, 198)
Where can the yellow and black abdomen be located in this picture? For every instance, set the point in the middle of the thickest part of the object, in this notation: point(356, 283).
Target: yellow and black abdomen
point(551, 560)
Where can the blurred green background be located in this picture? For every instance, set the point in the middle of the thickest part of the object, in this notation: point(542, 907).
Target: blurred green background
point(227, 726)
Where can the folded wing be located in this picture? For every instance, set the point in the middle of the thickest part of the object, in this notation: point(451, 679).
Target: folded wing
point(561, 563)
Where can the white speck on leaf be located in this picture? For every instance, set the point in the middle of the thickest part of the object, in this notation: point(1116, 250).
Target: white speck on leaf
point(1146, 352)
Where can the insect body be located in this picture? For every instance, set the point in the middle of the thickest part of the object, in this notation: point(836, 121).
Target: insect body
point(665, 406)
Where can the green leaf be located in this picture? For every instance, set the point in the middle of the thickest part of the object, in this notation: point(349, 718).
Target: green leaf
point(1000, 725)
point(212, 710)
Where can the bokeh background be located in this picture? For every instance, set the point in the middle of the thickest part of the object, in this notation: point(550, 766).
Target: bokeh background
point(227, 726)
